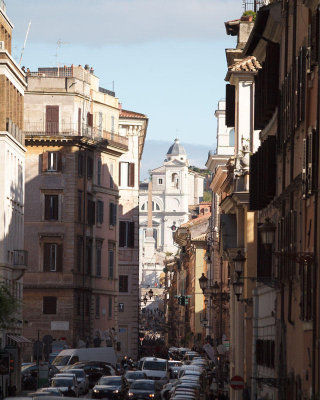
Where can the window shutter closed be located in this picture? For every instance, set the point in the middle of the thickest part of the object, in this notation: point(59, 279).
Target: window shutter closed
point(46, 257)
point(47, 207)
point(230, 105)
point(59, 162)
point(89, 167)
point(122, 233)
point(44, 162)
point(90, 119)
point(131, 174)
point(131, 234)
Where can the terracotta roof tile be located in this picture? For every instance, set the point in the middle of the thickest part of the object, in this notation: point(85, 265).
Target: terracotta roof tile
point(248, 64)
point(131, 114)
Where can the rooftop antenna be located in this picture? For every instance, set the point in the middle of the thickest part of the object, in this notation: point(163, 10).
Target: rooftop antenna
point(59, 44)
point(25, 42)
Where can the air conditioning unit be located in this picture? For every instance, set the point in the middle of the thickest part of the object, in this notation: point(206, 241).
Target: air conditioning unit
point(2, 45)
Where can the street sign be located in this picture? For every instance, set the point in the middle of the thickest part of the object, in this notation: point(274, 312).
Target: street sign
point(237, 382)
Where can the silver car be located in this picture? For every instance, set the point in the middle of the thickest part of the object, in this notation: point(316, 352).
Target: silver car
point(67, 384)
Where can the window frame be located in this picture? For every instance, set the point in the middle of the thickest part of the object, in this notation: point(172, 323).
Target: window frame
point(125, 285)
point(52, 209)
point(46, 306)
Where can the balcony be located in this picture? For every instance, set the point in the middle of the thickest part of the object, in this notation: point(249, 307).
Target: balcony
point(15, 131)
point(50, 129)
point(20, 258)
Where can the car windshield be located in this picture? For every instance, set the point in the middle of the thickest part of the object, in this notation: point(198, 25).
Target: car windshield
point(143, 385)
point(155, 365)
point(60, 382)
point(110, 381)
point(61, 360)
point(174, 363)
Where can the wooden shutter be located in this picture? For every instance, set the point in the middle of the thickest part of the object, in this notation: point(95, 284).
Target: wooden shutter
point(131, 174)
point(122, 233)
point(59, 161)
point(230, 105)
point(47, 214)
point(111, 261)
point(46, 257)
point(59, 266)
point(131, 234)
point(52, 120)
point(44, 165)
point(91, 212)
point(90, 119)
point(89, 167)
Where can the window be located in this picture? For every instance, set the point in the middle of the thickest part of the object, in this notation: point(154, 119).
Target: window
point(143, 207)
point(160, 181)
point(49, 305)
point(265, 352)
point(112, 123)
point(306, 292)
point(79, 205)
point(175, 180)
point(100, 123)
point(89, 167)
point(51, 203)
point(155, 206)
point(97, 306)
point(52, 120)
point(111, 260)
point(126, 234)
point(52, 257)
point(91, 218)
point(126, 174)
point(98, 257)
point(112, 214)
point(100, 206)
point(123, 283)
point(90, 119)
point(79, 254)
point(110, 308)
point(51, 161)
point(88, 256)
point(80, 164)
point(99, 167)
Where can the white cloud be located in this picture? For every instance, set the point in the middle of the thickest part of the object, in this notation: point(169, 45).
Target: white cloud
point(103, 22)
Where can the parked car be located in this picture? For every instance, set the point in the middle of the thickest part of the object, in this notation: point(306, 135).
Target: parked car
point(111, 387)
point(66, 384)
point(143, 389)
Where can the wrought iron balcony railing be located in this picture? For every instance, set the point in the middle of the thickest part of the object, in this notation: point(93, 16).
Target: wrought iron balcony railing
point(20, 257)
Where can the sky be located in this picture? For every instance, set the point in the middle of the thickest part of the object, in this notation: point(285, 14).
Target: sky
point(164, 58)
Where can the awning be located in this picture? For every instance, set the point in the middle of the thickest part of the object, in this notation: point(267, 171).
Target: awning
point(18, 339)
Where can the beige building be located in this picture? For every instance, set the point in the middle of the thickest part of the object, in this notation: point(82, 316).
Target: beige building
point(71, 226)
point(133, 126)
point(13, 258)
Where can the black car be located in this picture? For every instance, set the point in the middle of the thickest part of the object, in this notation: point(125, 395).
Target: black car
point(143, 389)
point(111, 387)
point(93, 369)
point(134, 375)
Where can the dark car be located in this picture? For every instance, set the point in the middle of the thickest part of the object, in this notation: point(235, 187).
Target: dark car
point(143, 389)
point(111, 387)
point(93, 369)
point(134, 375)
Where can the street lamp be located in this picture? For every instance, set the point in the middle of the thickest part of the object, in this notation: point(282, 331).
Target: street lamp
point(150, 293)
point(238, 288)
point(239, 261)
point(203, 282)
point(267, 231)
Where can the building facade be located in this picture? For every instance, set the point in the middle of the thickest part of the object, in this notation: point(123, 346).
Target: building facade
point(13, 257)
point(133, 126)
point(72, 198)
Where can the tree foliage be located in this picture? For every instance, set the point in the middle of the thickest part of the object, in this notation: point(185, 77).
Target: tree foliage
point(8, 307)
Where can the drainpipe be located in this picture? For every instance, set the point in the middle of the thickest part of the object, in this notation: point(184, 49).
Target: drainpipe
point(84, 240)
point(255, 315)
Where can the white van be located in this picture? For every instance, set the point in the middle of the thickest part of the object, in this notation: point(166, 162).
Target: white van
point(155, 368)
point(71, 356)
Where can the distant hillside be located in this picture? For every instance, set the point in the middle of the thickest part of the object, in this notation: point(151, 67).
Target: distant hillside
point(155, 152)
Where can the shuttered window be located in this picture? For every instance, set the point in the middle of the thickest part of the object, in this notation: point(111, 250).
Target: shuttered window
point(52, 257)
point(80, 164)
point(79, 254)
point(88, 256)
point(100, 210)
point(123, 283)
point(112, 214)
point(98, 257)
point(51, 205)
point(99, 168)
point(91, 216)
point(131, 175)
point(126, 174)
point(52, 120)
point(126, 234)
point(111, 249)
point(230, 105)
point(51, 161)
point(89, 167)
point(49, 305)
point(90, 119)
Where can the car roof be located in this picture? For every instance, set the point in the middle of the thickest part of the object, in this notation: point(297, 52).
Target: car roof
point(154, 359)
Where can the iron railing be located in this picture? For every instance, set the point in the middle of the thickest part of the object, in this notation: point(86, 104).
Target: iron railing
point(20, 257)
point(72, 129)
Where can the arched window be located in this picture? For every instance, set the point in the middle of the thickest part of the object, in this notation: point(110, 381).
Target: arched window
point(175, 180)
point(231, 137)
